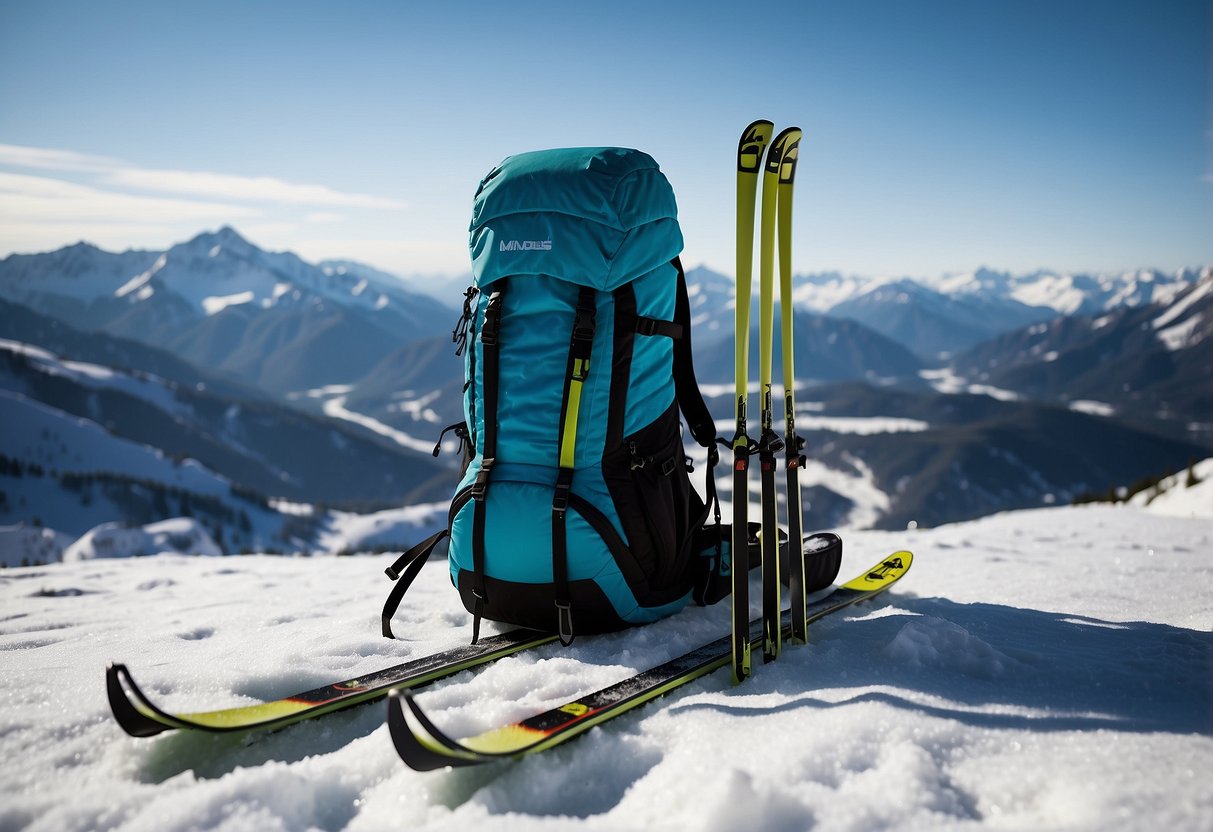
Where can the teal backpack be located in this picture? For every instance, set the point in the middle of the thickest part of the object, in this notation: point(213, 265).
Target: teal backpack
point(575, 512)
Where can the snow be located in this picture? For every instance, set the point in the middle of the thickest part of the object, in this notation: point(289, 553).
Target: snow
point(150, 388)
point(416, 407)
point(1177, 310)
point(334, 396)
point(335, 408)
point(214, 305)
point(182, 535)
point(362, 532)
point(857, 484)
point(862, 425)
point(808, 417)
point(1054, 291)
point(136, 282)
point(62, 444)
point(821, 293)
point(945, 380)
point(1181, 335)
point(1093, 407)
point(20, 543)
point(1048, 668)
point(43, 433)
point(1175, 497)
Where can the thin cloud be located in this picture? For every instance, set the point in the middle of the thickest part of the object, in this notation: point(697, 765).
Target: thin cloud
point(25, 198)
point(392, 254)
point(52, 197)
point(45, 158)
point(242, 188)
point(117, 174)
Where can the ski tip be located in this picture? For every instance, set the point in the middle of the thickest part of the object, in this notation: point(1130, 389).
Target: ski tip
point(753, 141)
point(905, 556)
point(883, 574)
point(783, 154)
point(129, 715)
point(417, 741)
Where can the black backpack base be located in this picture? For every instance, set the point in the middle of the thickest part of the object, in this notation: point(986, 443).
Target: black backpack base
point(526, 605)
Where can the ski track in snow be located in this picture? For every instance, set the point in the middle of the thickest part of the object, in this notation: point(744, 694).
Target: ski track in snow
point(1048, 668)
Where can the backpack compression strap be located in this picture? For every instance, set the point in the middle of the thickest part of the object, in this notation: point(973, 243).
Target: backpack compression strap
point(580, 346)
point(490, 335)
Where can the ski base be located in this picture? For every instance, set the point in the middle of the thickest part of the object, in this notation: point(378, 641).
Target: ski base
point(424, 747)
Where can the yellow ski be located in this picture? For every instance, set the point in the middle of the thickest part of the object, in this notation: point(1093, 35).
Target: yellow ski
point(749, 162)
point(782, 154)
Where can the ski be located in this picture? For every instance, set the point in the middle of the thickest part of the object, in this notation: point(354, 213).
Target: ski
point(749, 162)
point(793, 444)
point(424, 747)
point(140, 717)
point(769, 442)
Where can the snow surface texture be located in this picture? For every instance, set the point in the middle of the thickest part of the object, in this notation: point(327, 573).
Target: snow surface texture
point(1042, 669)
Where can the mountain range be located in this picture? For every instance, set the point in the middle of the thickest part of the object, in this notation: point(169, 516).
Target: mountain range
point(1151, 364)
point(221, 303)
point(292, 383)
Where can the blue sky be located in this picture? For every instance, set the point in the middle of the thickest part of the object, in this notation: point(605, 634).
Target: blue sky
point(939, 136)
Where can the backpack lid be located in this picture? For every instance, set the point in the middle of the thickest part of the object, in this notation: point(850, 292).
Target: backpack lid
point(594, 216)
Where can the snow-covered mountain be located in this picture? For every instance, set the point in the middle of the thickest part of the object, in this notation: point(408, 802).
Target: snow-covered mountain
point(266, 447)
point(86, 445)
point(74, 276)
point(443, 288)
point(827, 348)
point(287, 326)
point(931, 322)
point(948, 313)
point(1151, 363)
point(1072, 294)
point(218, 301)
point(211, 272)
point(887, 458)
point(1042, 669)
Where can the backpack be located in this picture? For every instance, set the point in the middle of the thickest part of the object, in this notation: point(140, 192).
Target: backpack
point(575, 512)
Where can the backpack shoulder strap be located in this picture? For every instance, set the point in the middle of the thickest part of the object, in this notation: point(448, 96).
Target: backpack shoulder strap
point(686, 388)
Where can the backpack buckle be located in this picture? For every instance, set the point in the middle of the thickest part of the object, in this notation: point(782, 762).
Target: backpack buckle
point(583, 331)
point(482, 479)
point(581, 369)
point(584, 322)
point(560, 497)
